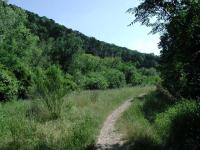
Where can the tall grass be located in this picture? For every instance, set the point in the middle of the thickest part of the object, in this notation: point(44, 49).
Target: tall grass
point(26, 124)
point(156, 122)
point(137, 129)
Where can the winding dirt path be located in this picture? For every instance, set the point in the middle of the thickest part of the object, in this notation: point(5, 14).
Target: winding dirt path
point(109, 138)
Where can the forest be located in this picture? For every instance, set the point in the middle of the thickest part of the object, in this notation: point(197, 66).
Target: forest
point(57, 85)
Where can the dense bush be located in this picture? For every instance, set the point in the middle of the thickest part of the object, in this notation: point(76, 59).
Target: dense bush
point(18, 49)
point(179, 126)
point(128, 69)
point(136, 78)
point(85, 67)
point(85, 63)
point(79, 79)
point(8, 85)
point(112, 62)
point(69, 83)
point(151, 80)
point(144, 76)
point(115, 78)
point(149, 72)
point(25, 79)
point(185, 131)
point(95, 80)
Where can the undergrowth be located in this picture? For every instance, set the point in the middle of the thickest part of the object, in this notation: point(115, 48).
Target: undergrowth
point(155, 122)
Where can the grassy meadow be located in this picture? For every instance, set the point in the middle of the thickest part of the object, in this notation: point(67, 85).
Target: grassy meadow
point(28, 124)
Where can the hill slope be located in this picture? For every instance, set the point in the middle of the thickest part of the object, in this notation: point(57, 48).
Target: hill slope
point(35, 50)
point(47, 28)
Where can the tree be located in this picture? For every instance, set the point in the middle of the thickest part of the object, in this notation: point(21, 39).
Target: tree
point(18, 47)
point(180, 57)
point(179, 22)
point(64, 48)
point(162, 11)
point(16, 40)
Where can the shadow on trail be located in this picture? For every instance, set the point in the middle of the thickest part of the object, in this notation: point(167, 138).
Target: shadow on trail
point(140, 144)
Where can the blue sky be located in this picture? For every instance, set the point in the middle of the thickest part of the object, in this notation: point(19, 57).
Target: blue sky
point(105, 20)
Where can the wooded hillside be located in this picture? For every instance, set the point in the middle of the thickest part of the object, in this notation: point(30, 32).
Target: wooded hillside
point(47, 29)
point(37, 50)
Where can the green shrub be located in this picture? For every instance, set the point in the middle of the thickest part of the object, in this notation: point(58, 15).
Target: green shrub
point(128, 69)
point(25, 79)
point(112, 62)
point(115, 78)
point(79, 79)
point(151, 80)
point(85, 63)
point(8, 85)
point(69, 83)
point(145, 76)
point(95, 80)
point(52, 87)
point(185, 131)
point(179, 126)
point(137, 78)
point(149, 72)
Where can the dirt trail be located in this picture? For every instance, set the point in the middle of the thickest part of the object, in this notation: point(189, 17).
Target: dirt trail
point(109, 138)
